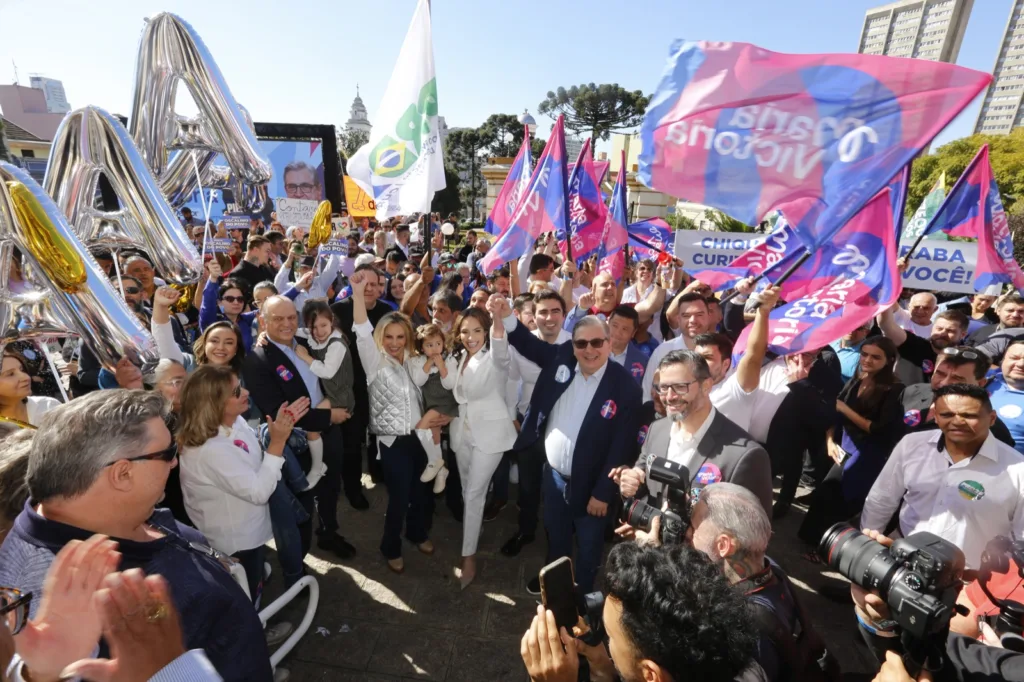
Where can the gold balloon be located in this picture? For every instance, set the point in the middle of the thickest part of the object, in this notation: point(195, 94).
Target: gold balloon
point(58, 258)
point(320, 228)
point(15, 422)
point(188, 292)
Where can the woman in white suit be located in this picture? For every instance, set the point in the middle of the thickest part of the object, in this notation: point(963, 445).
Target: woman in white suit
point(483, 431)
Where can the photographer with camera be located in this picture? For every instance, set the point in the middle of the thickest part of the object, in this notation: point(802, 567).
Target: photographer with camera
point(711, 447)
point(670, 616)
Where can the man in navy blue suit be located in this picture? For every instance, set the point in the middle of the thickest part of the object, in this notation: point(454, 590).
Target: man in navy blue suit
point(583, 413)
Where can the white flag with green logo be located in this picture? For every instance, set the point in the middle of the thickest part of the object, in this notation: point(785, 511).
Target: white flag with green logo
point(402, 165)
point(915, 226)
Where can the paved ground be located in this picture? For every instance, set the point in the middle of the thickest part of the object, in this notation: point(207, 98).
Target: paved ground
point(381, 627)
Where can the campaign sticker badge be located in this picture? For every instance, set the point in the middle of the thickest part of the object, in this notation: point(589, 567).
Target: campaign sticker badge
point(1010, 411)
point(562, 374)
point(608, 409)
point(641, 437)
point(971, 490)
point(708, 474)
point(241, 444)
point(927, 366)
point(637, 370)
point(283, 372)
point(912, 417)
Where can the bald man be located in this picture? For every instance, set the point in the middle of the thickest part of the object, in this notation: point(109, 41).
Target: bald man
point(918, 317)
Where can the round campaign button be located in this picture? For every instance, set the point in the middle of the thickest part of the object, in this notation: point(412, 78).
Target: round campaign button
point(912, 417)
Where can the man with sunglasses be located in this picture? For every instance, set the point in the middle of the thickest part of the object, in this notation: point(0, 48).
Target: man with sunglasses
point(954, 365)
point(99, 464)
point(585, 412)
point(696, 435)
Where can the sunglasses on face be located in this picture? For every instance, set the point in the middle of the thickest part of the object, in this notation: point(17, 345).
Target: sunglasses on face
point(132, 290)
point(233, 299)
point(581, 344)
point(14, 606)
point(163, 455)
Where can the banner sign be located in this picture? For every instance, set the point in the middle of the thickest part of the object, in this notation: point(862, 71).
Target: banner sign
point(296, 211)
point(948, 266)
point(234, 221)
point(335, 246)
point(218, 245)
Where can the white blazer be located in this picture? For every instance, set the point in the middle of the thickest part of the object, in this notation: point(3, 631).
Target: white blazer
point(480, 391)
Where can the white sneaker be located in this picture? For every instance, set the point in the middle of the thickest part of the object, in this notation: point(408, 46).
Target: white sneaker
point(313, 477)
point(432, 470)
point(276, 634)
point(439, 480)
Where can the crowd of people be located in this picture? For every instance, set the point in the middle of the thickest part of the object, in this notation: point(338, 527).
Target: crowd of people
point(283, 368)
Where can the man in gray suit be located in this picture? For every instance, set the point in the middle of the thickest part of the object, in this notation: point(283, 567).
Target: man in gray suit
point(696, 435)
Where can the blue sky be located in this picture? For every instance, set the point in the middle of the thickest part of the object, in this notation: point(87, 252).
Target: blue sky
point(300, 61)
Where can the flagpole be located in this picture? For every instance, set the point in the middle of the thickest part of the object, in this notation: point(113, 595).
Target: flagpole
point(786, 275)
point(575, 173)
point(949, 195)
point(650, 246)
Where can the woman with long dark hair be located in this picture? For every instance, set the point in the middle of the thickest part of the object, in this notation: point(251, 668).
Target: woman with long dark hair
point(867, 428)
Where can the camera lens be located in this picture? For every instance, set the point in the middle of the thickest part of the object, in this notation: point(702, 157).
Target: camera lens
point(858, 557)
point(639, 515)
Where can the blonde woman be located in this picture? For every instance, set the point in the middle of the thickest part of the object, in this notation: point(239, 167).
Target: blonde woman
point(226, 477)
point(396, 416)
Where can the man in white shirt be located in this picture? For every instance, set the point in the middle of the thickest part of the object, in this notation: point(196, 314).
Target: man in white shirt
point(549, 314)
point(959, 482)
point(919, 318)
point(734, 393)
point(694, 320)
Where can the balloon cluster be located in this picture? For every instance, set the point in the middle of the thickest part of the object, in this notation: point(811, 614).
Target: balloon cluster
point(56, 288)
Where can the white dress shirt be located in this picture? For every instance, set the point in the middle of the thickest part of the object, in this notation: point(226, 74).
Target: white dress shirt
point(524, 374)
point(567, 418)
point(663, 349)
point(682, 449)
point(191, 666)
point(967, 503)
point(226, 483)
point(311, 381)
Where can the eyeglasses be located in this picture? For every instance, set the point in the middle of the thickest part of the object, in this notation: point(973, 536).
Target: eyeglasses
point(132, 290)
point(14, 606)
point(960, 353)
point(304, 187)
point(233, 299)
point(581, 344)
point(681, 388)
point(163, 455)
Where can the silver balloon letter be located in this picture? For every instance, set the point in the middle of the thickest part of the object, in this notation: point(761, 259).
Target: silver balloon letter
point(171, 50)
point(90, 142)
point(61, 288)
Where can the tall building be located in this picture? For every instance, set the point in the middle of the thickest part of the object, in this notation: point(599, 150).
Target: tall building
point(53, 92)
point(923, 29)
point(1001, 109)
point(573, 147)
point(357, 119)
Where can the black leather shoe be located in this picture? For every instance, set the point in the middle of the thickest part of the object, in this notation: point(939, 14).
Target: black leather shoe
point(358, 501)
point(780, 510)
point(337, 544)
point(492, 510)
point(515, 544)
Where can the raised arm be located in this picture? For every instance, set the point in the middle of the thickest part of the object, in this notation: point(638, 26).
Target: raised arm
point(748, 371)
point(569, 279)
point(163, 334)
point(208, 308)
point(413, 292)
point(890, 328)
point(650, 306)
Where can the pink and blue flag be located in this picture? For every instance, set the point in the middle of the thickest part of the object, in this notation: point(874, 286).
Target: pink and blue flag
point(587, 211)
point(512, 190)
point(974, 208)
point(773, 254)
point(816, 136)
point(857, 280)
point(612, 257)
point(541, 209)
point(649, 238)
point(898, 189)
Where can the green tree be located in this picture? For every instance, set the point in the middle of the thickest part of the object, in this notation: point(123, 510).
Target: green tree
point(349, 141)
point(537, 148)
point(680, 222)
point(506, 132)
point(596, 110)
point(1006, 153)
point(724, 223)
point(5, 155)
point(463, 153)
point(448, 200)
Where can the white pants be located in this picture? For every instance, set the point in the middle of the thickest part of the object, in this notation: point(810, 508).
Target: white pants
point(475, 468)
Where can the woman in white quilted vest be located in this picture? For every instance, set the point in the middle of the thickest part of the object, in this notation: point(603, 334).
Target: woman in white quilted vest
point(396, 417)
point(483, 431)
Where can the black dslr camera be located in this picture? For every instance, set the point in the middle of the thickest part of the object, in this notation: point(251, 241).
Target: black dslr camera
point(676, 518)
point(1009, 623)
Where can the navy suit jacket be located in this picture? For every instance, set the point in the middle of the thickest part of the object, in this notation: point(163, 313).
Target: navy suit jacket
point(636, 363)
point(608, 435)
point(272, 380)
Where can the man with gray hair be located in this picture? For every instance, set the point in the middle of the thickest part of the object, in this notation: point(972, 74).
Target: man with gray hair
point(99, 464)
point(584, 415)
point(696, 435)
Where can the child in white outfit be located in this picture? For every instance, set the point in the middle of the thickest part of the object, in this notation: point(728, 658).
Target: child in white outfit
point(435, 376)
